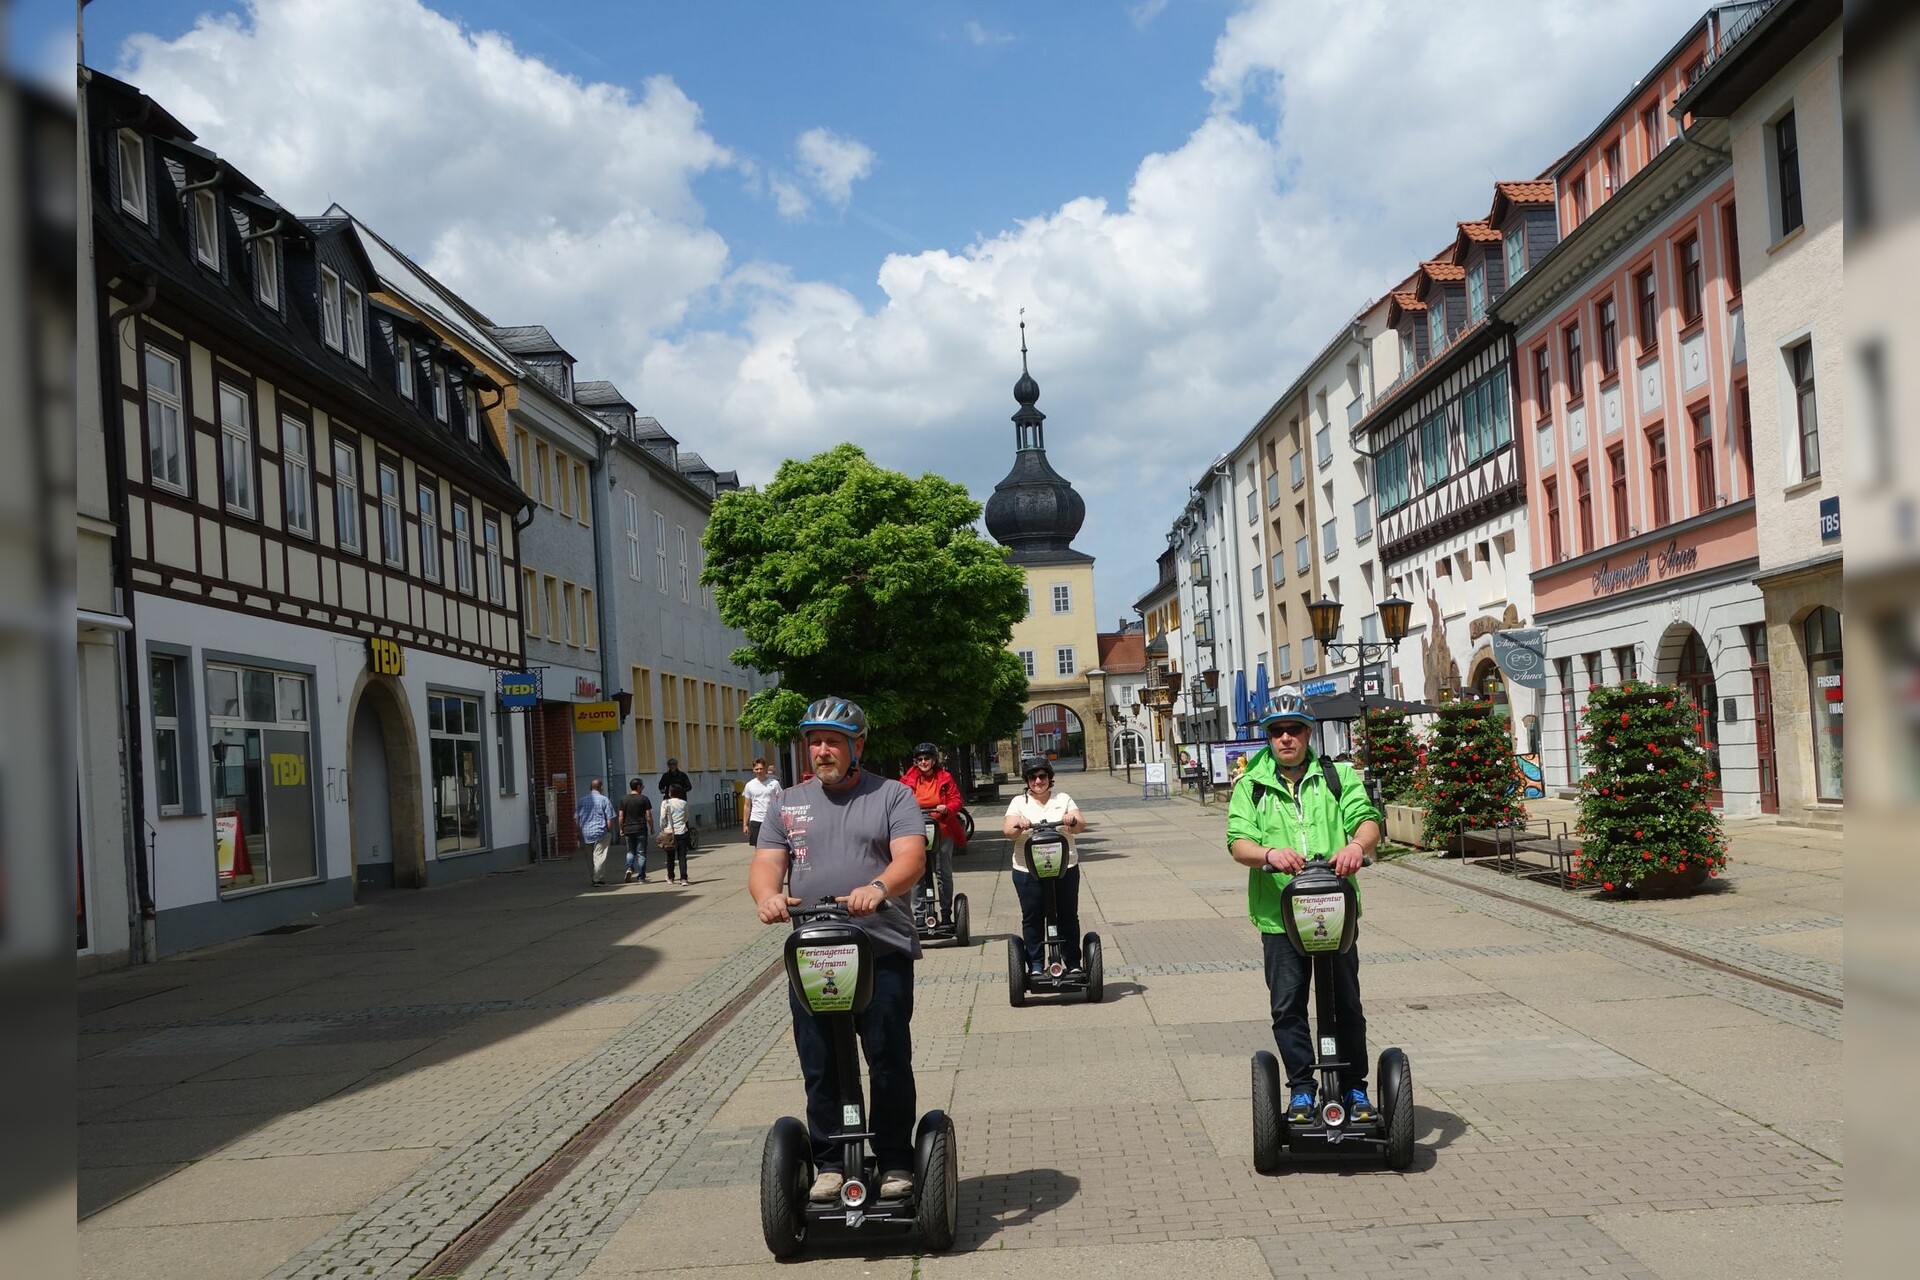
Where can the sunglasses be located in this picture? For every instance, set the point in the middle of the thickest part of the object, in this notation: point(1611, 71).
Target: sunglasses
point(1288, 731)
point(923, 757)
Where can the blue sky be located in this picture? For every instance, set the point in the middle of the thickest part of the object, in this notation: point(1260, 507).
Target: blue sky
point(778, 226)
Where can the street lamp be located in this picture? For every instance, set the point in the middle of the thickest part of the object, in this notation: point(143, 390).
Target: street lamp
point(1394, 616)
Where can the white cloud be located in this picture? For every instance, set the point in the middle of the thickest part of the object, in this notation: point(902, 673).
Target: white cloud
point(1344, 142)
point(832, 163)
point(981, 36)
point(1146, 11)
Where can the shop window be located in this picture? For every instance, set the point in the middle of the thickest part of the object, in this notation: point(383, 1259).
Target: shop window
point(260, 749)
point(1826, 693)
point(176, 780)
point(453, 733)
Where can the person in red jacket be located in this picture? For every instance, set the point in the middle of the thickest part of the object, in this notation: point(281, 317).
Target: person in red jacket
point(938, 796)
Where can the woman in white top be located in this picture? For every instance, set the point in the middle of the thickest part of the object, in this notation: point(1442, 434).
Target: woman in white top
point(1041, 803)
point(673, 820)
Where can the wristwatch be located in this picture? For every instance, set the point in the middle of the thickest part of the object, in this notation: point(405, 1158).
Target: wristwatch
point(881, 886)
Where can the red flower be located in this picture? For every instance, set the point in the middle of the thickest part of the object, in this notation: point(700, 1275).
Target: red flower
point(1608, 886)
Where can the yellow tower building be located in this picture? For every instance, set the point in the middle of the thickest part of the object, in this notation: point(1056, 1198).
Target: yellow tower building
point(1035, 513)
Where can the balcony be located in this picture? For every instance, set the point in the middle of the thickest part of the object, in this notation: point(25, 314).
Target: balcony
point(1273, 490)
point(1363, 520)
point(1323, 447)
point(1297, 468)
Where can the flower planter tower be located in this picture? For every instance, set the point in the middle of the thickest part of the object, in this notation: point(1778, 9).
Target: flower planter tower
point(1470, 780)
point(1645, 820)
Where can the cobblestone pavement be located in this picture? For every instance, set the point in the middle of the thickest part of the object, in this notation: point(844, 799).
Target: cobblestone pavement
point(1589, 1105)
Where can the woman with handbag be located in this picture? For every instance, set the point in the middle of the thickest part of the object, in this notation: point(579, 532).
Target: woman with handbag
point(676, 833)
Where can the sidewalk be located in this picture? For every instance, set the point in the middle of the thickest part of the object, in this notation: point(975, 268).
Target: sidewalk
point(1588, 1105)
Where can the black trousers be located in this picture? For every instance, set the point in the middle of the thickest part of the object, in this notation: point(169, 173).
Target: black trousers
point(885, 1029)
point(1289, 978)
point(1033, 920)
point(677, 856)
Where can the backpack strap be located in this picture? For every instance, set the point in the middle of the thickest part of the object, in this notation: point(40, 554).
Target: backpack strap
point(1332, 775)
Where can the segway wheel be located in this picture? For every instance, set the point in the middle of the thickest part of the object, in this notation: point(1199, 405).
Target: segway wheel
point(1096, 974)
point(936, 1176)
point(962, 920)
point(1016, 973)
point(966, 824)
point(1396, 1100)
point(786, 1168)
point(1269, 1117)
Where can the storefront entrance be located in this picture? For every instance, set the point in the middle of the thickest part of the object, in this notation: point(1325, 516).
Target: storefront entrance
point(1696, 677)
point(385, 793)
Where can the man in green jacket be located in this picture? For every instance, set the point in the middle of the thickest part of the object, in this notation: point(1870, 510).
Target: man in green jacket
point(1292, 805)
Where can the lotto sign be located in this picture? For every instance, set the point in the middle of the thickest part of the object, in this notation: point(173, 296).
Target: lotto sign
point(596, 717)
point(828, 976)
point(1048, 859)
point(1320, 920)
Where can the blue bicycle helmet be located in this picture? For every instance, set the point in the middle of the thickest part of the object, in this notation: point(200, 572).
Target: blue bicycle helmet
point(835, 713)
point(1287, 704)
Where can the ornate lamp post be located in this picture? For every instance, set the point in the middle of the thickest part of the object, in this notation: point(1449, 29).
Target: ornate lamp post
point(1394, 616)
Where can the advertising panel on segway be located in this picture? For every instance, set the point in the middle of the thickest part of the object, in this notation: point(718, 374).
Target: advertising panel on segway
point(929, 921)
point(829, 963)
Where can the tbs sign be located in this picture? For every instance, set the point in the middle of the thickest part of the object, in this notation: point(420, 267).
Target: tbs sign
point(1830, 519)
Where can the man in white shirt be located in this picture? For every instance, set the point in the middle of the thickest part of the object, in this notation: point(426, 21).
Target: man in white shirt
point(761, 793)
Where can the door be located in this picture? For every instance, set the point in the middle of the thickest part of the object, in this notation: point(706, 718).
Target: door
point(1763, 720)
point(368, 795)
point(1696, 677)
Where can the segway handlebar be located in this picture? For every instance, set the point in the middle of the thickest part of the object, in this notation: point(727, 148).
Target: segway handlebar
point(1366, 861)
point(825, 909)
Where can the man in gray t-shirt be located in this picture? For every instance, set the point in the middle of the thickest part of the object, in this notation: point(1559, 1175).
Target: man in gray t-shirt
point(858, 837)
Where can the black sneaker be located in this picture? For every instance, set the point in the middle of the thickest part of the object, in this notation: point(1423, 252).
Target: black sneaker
point(1300, 1107)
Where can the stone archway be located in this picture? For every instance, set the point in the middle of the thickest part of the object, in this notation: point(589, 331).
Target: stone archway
point(384, 699)
point(1059, 732)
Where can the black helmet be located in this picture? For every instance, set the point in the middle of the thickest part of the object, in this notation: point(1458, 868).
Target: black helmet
point(927, 749)
point(1035, 769)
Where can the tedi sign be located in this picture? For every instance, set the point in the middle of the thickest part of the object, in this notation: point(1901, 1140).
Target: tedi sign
point(1669, 560)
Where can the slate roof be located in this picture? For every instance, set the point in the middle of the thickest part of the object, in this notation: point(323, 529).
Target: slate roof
point(528, 340)
point(600, 394)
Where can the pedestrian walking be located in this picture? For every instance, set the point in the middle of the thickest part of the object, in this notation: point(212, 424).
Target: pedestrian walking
point(594, 816)
point(636, 824)
point(762, 792)
point(676, 833)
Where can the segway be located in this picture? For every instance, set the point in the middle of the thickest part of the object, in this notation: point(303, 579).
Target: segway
point(1047, 855)
point(927, 921)
point(830, 964)
point(1319, 909)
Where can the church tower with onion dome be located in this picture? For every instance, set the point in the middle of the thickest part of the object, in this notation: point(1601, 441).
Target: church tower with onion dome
point(1035, 513)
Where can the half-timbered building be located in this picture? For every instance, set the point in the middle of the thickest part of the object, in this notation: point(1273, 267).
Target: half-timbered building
point(1448, 478)
point(320, 548)
point(1632, 393)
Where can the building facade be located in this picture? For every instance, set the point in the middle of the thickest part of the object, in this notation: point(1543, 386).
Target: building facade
point(1632, 385)
point(1776, 82)
point(317, 646)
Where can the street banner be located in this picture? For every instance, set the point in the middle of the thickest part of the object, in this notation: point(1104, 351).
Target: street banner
point(1522, 654)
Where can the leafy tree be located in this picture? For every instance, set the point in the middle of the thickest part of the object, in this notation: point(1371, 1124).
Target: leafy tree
point(853, 580)
point(1470, 781)
point(1644, 808)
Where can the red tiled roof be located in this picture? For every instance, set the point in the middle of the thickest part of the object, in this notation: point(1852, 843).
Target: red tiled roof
point(1123, 652)
point(1526, 192)
point(1407, 301)
point(1480, 231)
point(1444, 271)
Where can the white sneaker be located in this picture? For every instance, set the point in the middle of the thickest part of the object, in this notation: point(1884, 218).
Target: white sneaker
point(895, 1183)
point(826, 1186)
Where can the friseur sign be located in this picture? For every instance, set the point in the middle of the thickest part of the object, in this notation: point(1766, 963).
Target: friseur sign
point(1669, 560)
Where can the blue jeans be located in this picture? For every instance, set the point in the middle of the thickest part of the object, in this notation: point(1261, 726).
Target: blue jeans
point(1289, 979)
point(886, 1034)
point(637, 855)
point(1033, 920)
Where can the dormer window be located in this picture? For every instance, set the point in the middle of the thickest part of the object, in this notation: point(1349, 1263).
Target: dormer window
point(330, 307)
point(473, 415)
point(403, 368)
point(440, 393)
point(356, 321)
point(1437, 325)
point(266, 271)
point(133, 174)
point(1516, 255)
point(206, 228)
point(1476, 291)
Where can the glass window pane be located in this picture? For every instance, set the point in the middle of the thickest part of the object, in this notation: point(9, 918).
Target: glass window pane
point(165, 693)
point(223, 692)
point(166, 767)
point(257, 688)
point(293, 698)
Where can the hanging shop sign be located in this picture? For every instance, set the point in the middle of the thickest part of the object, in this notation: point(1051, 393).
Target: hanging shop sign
point(518, 690)
point(585, 687)
point(1521, 652)
point(596, 717)
point(1669, 561)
